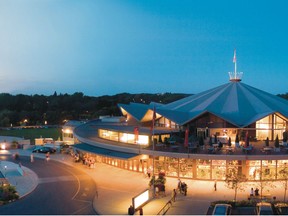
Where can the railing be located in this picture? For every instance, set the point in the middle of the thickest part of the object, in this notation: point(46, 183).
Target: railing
point(167, 206)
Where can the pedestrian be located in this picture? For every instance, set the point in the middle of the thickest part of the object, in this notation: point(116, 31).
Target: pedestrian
point(215, 185)
point(174, 194)
point(47, 156)
point(179, 185)
point(149, 173)
point(256, 192)
point(252, 192)
point(32, 158)
point(131, 210)
point(184, 188)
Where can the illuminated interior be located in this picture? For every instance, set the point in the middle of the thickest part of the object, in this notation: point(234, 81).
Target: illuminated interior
point(130, 138)
point(265, 127)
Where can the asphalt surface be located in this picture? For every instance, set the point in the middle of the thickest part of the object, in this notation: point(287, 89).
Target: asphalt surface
point(114, 190)
point(61, 190)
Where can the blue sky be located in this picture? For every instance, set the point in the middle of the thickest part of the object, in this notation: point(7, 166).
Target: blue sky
point(105, 47)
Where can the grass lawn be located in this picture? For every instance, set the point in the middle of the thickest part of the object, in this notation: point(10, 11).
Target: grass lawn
point(32, 133)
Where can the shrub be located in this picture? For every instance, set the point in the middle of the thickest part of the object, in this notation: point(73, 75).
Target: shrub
point(285, 136)
point(267, 142)
point(8, 193)
point(237, 138)
point(277, 145)
point(242, 203)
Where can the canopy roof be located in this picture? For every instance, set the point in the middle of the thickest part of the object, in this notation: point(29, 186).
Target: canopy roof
point(234, 102)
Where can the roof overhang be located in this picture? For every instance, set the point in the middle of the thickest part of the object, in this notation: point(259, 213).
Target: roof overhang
point(105, 152)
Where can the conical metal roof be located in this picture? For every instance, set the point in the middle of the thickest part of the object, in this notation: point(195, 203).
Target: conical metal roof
point(235, 102)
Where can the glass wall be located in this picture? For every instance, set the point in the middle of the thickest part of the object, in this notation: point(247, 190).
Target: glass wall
point(234, 165)
point(159, 163)
point(268, 169)
point(123, 137)
point(185, 168)
point(254, 169)
point(219, 169)
point(172, 166)
point(279, 127)
point(203, 169)
point(266, 126)
point(108, 134)
point(282, 169)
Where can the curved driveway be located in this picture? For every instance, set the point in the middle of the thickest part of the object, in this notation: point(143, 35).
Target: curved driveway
point(61, 190)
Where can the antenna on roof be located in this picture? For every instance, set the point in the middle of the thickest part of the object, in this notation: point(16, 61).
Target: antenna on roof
point(235, 76)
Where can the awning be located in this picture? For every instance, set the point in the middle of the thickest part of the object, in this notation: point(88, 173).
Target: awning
point(104, 152)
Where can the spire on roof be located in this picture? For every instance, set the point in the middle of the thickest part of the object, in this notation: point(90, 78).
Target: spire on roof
point(235, 76)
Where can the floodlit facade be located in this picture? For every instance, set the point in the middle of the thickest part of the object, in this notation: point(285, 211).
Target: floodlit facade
point(235, 108)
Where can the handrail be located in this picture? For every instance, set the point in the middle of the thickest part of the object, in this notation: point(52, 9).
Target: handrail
point(167, 206)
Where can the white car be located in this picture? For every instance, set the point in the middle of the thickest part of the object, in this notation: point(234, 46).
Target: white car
point(222, 209)
point(264, 208)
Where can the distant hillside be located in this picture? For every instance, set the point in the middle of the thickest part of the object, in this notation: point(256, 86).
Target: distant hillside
point(22, 109)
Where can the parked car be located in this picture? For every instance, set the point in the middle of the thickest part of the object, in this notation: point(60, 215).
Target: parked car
point(43, 149)
point(281, 208)
point(222, 209)
point(264, 208)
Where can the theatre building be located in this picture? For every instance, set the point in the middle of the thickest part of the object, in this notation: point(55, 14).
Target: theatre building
point(169, 135)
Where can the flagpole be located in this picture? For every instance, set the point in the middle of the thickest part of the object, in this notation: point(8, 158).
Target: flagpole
point(235, 65)
point(153, 173)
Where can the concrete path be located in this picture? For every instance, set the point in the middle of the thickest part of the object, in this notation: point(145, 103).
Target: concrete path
point(116, 187)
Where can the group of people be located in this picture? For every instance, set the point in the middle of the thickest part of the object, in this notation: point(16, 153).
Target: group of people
point(182, 187)
point(254, 192)
point(148, 172)
point(89, 161)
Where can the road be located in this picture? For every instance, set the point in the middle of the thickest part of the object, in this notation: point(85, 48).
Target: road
point(62, 190)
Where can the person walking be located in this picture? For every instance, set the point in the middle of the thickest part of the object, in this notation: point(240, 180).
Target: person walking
point(185, 188)
point(174, 194)
point(179, 186)
point(251, 192)
point(256, 192)
point(215, 185)
point(47, 156)
point(149, 173)
point(32, 158)
point(141, 211)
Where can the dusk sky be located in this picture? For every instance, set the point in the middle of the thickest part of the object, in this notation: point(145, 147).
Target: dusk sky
point(106, 47)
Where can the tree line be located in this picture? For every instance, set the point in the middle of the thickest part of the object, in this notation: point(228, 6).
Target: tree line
point(20, 110)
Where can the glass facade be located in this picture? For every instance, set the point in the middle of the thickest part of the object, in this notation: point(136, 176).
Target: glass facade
point(117, 136)
point(202, 169)
point(270, 127)
point(218, 169)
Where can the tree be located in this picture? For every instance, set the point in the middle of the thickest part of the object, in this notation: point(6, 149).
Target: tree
point(210, 141)
point(285, 136)
point(264, 185)
point(201, 141)
point(237, 140)
point(229, 142)
point(284, 174)
point(267, 142)
point(235, 181)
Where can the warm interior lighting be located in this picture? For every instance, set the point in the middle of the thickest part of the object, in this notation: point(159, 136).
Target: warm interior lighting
point(143, 140)
point(3, 146)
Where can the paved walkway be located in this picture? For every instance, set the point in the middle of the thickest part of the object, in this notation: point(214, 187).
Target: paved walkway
point(116, 187)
